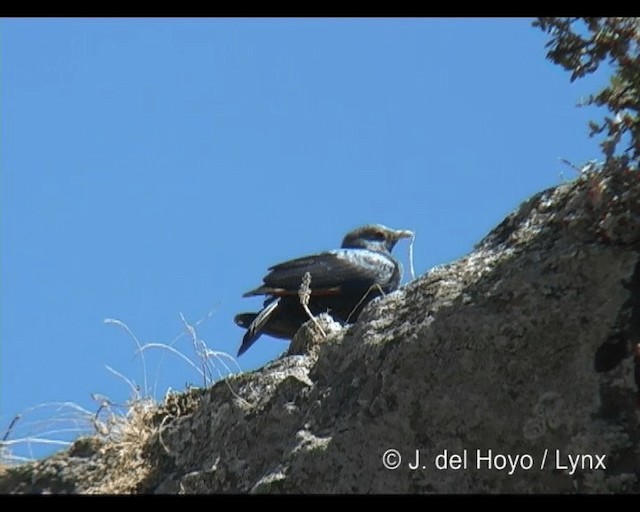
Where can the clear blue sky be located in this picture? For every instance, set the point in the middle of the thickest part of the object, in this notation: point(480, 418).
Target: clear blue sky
point(155, 166)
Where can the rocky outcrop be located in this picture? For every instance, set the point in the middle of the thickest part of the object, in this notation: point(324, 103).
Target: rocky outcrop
point(509, 370)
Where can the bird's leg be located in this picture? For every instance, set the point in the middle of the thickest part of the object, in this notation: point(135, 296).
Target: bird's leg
point(304, 293)
point(371, 288)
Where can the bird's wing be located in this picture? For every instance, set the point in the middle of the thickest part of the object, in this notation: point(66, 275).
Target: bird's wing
point(331, 272)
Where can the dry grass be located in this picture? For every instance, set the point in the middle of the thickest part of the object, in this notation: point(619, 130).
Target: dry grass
point(115, 437)
point(128, 457)
point(51, 424)
point(126, 465)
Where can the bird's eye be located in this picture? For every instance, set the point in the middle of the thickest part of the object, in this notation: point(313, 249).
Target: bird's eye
point(378, 235)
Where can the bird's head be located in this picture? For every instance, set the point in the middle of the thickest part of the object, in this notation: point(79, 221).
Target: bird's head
point(374, 237)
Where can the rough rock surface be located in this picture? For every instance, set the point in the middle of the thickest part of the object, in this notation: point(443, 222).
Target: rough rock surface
point(523, 347)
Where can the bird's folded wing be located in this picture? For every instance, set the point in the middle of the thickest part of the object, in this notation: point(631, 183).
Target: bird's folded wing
point(331, 272)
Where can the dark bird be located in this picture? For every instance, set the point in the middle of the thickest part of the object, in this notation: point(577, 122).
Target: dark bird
point(343, 281)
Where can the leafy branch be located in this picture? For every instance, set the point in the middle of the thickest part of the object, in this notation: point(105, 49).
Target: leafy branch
point(580, 45)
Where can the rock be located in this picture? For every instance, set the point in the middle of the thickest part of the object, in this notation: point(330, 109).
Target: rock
point(509, 370)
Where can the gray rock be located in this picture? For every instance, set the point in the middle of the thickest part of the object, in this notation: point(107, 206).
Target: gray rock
point(512, 367)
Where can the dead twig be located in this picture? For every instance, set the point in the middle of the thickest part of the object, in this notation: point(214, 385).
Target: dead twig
point(304, 293)
point(10, 427)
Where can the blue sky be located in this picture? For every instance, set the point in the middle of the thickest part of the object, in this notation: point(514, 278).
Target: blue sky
point(152, 167)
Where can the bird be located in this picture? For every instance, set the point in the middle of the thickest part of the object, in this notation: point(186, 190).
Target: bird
point(342, 282)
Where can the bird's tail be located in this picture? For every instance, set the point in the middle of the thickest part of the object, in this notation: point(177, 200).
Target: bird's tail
point(254, 324)
point(244, 319)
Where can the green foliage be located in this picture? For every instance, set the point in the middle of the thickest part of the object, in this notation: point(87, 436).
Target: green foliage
point(579, 45)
